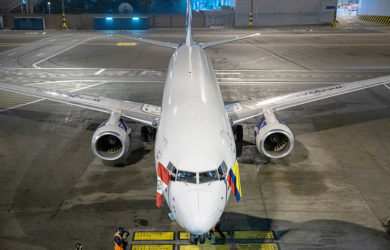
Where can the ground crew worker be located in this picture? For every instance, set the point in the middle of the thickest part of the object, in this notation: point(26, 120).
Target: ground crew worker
point(120, 242)
point(217, 228)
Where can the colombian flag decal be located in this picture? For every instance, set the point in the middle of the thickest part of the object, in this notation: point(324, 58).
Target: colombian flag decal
point(163, 179)
point(233, 179)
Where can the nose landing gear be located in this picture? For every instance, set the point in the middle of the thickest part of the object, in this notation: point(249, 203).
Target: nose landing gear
point(238, 138)
point(194, 238)
point(202, 238)
point(148, 134)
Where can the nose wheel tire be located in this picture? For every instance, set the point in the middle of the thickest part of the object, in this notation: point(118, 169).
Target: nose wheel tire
point(144, 133)
point(193, 239)
point(202, 238)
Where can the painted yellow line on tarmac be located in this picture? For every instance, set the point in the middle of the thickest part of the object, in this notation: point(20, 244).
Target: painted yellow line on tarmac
point(254, 235)
point(218, 236)
point(204, 247)
point(110, 44)
point(152, 247)
point(154, 236)
point(11, 44)
point(265, 246)
point(126, 44)
point(184, 236)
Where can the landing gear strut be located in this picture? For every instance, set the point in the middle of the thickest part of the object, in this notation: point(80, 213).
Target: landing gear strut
point(238, 138)
point(148, 134)
point(202, 238)
point(194, 238)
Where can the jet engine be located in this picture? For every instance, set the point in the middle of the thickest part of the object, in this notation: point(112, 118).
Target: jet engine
point(273, 138)
point(111, 140)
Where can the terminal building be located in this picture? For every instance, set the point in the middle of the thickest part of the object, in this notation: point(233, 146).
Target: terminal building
point(228, 13)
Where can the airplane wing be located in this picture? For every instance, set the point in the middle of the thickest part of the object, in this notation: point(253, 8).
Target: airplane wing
point(174, 45)
point(209, 44)
point(241, 111)
point(159, 43)
point(143, 113)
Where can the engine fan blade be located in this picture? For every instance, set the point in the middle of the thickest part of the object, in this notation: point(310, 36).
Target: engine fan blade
point(275, 142)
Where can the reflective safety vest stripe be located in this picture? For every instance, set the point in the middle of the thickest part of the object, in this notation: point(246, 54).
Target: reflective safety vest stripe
point(116, 246)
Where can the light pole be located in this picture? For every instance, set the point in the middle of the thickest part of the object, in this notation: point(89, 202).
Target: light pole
point(48, 3)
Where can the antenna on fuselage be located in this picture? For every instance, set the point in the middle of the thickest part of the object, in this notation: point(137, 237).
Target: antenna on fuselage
point(189, 24)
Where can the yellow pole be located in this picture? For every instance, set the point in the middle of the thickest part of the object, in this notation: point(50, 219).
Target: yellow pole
point(334, 22)
point(250, 24)
point(64, 26)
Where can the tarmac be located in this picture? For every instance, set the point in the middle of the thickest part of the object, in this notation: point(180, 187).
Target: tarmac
point(331, 192)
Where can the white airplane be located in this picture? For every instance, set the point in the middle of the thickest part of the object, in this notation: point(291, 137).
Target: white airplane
point(195, 145)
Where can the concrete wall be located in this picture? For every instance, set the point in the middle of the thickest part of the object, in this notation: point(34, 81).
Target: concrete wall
point(176, 20)
point(54, 21)
point(374, 7)
point(223, 17)
point(285, 12)
point(86, 21)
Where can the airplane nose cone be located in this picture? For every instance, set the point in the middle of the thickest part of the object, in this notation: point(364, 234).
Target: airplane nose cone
point(198, 211)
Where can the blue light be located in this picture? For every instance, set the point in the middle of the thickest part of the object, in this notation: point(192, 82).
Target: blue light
point(135, 18)
point(108, 18)
point(211, 4)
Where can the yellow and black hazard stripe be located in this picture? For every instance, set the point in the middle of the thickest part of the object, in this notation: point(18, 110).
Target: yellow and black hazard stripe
point(250, 24)
point(375, 19)
point(334, 22)
point(64, 26)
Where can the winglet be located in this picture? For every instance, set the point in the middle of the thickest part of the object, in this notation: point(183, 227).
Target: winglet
point(189, 24)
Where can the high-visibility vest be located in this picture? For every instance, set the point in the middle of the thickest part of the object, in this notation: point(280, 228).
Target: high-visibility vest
point(116, 246)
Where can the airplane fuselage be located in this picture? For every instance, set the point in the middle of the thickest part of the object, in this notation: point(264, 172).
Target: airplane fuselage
point(195, 136)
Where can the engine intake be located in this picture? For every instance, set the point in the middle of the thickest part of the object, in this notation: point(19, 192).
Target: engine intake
point(273, 137)
point(111, 140)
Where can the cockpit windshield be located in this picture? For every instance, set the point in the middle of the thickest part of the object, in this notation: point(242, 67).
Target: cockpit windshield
point(189, 177)
point(208, 176)
point(198, 178)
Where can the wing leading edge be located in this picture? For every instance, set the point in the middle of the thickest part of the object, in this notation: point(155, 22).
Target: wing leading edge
point(154, 42)
point(140, 112)
point(241, 111)
point(209, 44)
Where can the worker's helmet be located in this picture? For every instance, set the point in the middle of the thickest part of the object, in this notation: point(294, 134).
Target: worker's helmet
point(119, 231)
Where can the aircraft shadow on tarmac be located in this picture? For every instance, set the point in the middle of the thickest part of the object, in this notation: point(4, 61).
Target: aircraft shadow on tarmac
point(311, 234)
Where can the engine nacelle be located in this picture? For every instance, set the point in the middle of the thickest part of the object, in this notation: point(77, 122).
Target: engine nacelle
point(111, 140)
point(273, 138)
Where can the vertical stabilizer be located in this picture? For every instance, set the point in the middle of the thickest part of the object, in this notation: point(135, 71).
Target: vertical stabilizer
point(189, 24)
